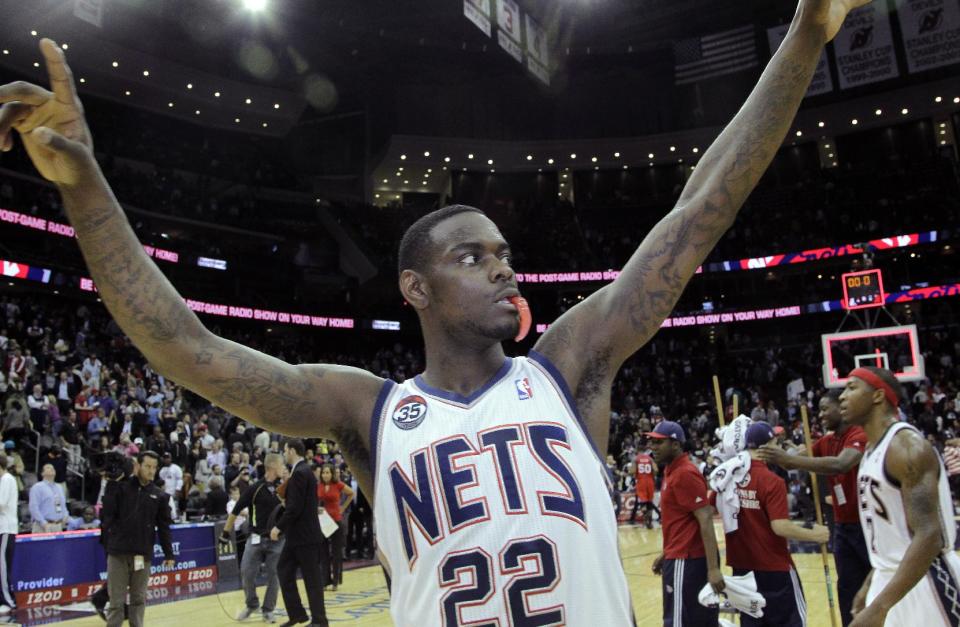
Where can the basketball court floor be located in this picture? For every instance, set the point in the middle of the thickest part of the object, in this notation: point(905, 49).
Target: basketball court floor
point(362, 599)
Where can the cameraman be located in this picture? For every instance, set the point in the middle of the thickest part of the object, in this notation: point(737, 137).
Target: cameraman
point(134, 509)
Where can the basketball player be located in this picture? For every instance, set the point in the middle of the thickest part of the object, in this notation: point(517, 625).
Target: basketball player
point(760, 542)
point(906, 511)
point(837, 454)
point(644, 468)
point(484, 469)
point(690, 557)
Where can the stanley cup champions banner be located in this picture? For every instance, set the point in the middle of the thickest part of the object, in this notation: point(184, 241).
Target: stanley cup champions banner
point(864, 47)
point(931, 32)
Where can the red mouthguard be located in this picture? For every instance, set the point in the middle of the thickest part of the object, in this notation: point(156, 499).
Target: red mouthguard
point(526, 318)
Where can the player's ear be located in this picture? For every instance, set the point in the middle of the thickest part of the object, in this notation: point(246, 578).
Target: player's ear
point(414, 288)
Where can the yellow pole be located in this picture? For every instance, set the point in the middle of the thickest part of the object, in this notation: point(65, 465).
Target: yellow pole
point(716, 393)
point(816, 505)
point(736, 405)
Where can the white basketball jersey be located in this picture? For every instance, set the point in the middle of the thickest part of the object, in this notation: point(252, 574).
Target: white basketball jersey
point(882, 513)
point(494, 509)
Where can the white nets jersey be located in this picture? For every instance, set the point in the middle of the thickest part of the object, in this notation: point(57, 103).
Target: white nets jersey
point(494, 509)
point(935, 600)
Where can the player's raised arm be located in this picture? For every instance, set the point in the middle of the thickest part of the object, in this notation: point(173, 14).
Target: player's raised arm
point(913, 463)
point(618, 319)
point(296, 400)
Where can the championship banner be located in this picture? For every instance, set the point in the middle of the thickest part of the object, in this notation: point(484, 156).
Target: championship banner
point(478, 12)
point(931, 33)
point(822, 82)
point(509, 35)
point(538, 61)
point(864, 47)
point(60, 568)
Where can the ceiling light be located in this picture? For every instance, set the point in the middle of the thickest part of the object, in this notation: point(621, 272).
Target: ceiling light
point(5, 51)
point(651, 164)
point(830, 156)
point(427, 175)
point(83, 80)
point(255, 5)
point(904, 111)
point(115, 64)
point(492, 170)
point(593, 159)
point(403, 157)
point(826, 145)
point(821, 124)
point(489, 161)
point(65, 46)
point(625, 167)
point(276, 105)
point(34, 33)
point(429, 170)
point(956, 100)
point(938, 99)
point(650, 156)
point(446, 159)
point(406, 182)
point(36, 64)
point(695, 150)
point(550, 161)
point(854, 121)
point(596, 167)
point(673, 149)
point(170, 104)
point(237, 120)
point(386, 180)
point(146, 72)
point(376, 195)
point(799, 133)
point(878, 112)
point(573, 155)
point(189, 85)
point(422, 183)
point(616, 155)
point(470, 156)
point(216, 94)
point(248, 101)
point(426, 153)
point(400, 169)
point(197, 111)
point(564, 176)
point(127, 92)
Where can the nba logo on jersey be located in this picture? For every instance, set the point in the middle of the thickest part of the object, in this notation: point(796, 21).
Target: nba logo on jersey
point(410, 412)
point(524, 391)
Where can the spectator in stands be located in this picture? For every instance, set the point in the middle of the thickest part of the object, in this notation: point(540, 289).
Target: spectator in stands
point(87, 520)
point(90, 370)
point(39, 408)
point(216, 505)
point(85, 406)
point(97, 426)
point(178, 450)
point(16, 415)
point(172, 476)
point(217, 456)
point(65, 391)
point(48, 503)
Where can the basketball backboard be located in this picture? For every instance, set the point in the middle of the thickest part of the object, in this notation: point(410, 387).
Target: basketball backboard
point(894, 348)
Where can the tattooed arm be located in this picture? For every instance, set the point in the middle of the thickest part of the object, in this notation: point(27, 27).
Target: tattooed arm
point(590, 342)
point(310, 400)
point(911, 461)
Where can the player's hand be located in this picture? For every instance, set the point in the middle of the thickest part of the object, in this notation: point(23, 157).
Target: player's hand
point(821, 534)
point(715, 577)
point(773, 454)
point(51, 124)
point(860, 599)
point(275, 534)
point(657, 566)
point(872, 616)
point(827, 14)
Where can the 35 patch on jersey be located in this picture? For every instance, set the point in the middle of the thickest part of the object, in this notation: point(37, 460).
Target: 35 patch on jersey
point(524, 391)
point(410, 412)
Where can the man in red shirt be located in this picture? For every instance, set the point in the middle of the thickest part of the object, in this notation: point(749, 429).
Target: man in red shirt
point(644, 469)
point(690, 557)
point(760, 542)
point(837, 454)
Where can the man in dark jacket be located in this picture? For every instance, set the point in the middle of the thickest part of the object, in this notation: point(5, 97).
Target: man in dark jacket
point(301, 528)
point(134, 511)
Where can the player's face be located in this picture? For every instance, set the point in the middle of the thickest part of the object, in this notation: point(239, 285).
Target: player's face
point(471, 278)
point(830, 413)
point(856, 401)
point(662, 450)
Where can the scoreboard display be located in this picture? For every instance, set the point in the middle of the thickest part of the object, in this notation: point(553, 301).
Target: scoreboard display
point(862, 290)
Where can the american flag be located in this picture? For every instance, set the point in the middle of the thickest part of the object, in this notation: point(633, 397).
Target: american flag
point(714, 55)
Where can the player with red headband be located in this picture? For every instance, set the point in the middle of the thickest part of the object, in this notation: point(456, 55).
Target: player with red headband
point(906, 512)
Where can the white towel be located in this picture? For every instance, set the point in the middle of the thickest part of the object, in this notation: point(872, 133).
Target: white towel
point(741, 595)
point(733, 438)
point(724, 481)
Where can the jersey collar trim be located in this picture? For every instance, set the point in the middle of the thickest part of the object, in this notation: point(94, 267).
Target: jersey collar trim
point(459, 399)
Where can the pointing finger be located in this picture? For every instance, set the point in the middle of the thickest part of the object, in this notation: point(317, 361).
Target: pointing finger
point(25, 92)
point(61, 78)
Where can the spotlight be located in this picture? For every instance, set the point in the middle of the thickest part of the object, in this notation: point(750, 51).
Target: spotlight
point(255, 5)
